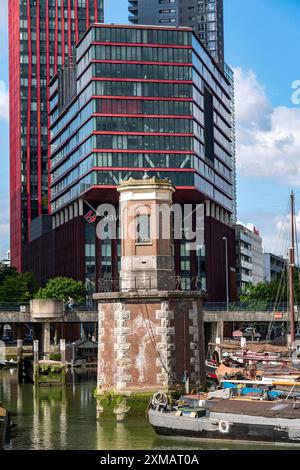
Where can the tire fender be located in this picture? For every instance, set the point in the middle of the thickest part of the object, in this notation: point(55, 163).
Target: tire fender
point(224, 427)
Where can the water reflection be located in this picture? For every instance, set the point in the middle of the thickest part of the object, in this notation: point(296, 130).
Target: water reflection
point(65, 418)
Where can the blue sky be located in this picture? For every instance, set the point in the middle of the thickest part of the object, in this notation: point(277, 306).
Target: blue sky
point(262, 44)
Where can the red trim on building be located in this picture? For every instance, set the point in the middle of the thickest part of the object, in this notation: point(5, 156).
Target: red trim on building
point(63, 44)
point(69, 29)
point(48, 103)
point(164, 134)
point(28, 119)
point(87, 14)
point(143, 62)
point(96, 11)
point(56, 38)
point(15, 135)
point(140, 44)
point(129, 168)
point(130, 26)
point(147, 98)
point(143, 116)
point(38, 75)
point(76, 20)
point(143, 80)
point(176, 152)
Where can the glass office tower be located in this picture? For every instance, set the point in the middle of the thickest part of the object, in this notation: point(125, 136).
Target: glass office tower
point(42, 35)
point(144, 98)
point(204, 16)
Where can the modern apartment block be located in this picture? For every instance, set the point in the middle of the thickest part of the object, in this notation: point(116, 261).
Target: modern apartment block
point(42, 36)
point(6, 260)
point(144, 99)
point(273, 266)
point(249, 257)
point(204, 16)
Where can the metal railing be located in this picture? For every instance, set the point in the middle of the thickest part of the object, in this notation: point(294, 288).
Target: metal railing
point(89, 307)
point(13, 306)
point(179, 283)
point(258, 306)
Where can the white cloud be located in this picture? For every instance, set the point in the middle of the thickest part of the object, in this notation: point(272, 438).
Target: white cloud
point(4, 101)
point(268, 139)
point(274, 228)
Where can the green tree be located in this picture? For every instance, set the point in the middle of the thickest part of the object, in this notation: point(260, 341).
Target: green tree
point(18, 287)
point(61, 288)
point(260, 295)
point(6, 271)
point(271, 292)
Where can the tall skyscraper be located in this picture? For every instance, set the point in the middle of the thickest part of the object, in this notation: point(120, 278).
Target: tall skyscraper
point(143, 98)
point(204, 16)
point(42, 35)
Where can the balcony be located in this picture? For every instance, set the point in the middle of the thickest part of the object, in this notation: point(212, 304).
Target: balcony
point(133, 19)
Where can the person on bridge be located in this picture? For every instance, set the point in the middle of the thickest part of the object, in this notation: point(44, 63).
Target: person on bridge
point(70, 304)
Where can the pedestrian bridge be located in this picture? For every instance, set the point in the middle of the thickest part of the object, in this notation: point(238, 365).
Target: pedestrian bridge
point(213, 313)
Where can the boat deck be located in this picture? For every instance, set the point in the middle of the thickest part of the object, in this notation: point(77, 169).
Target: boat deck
point(266, 409)
point(3, 426)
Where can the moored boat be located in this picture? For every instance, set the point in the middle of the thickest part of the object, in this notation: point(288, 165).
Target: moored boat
point(4, 423)
point(227, 419)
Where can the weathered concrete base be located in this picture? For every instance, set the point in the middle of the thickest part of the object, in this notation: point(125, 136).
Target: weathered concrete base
point(150, 341)
point(131, 404)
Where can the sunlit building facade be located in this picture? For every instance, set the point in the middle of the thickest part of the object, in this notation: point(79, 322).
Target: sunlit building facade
point(42, 36)
point(204, 16)
point(144, 99)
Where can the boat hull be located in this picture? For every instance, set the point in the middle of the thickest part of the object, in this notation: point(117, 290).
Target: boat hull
point(203, 428)
point(4, 417)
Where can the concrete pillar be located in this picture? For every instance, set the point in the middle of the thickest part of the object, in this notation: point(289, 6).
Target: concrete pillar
point(20, 360)
point(220, 331)
point(35, 351)
point(55, 335)
point(19, 350)
point(46, 337)
point(19, 331)
point(217, 332)
point(73, 354)
point(63, 350)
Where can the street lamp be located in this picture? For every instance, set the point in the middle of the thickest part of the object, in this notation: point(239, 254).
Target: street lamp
point(227, 280)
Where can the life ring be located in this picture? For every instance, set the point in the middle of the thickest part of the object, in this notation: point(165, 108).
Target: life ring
point(224, 427)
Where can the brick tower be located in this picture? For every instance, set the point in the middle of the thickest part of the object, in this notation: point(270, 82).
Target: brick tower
point(150, 334)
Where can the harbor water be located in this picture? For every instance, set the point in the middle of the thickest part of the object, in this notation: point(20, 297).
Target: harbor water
point(65, 419)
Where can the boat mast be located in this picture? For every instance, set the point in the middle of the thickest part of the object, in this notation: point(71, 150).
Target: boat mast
point(291, 269)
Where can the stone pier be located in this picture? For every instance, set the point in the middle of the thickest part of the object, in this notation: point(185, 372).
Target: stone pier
point(151, 336)
point(150, 341)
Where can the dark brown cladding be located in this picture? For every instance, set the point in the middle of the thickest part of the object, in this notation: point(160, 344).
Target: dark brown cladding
point(59, 252)
point(215, 231)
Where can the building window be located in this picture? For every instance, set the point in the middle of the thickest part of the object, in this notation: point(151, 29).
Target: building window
point(143, 228)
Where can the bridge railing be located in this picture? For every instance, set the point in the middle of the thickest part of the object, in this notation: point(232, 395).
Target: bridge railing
point(13, 306)
point(257, 306)
point(88, 307)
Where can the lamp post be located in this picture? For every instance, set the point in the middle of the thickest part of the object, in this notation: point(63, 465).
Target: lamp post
point(227, 280)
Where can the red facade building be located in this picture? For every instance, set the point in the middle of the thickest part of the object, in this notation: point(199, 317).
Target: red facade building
point(42, 35)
